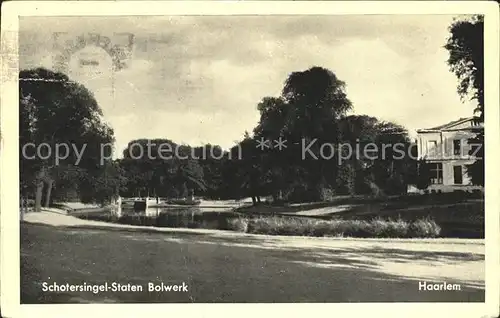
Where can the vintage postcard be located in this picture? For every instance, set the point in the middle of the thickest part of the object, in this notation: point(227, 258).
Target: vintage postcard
point(249, 158)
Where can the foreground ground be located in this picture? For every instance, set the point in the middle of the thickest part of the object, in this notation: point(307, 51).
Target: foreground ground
point(229, 267)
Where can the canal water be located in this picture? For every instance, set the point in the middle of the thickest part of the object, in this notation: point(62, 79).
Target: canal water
point(180, 217)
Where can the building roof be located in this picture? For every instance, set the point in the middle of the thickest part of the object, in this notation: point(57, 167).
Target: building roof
point(449, 125)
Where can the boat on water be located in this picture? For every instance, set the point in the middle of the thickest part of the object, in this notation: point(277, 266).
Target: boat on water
point(131, 201)
point(143, 203)
point(137, 203)
point(183, 202)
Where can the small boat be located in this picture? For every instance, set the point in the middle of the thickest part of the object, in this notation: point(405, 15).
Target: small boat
point(131, 201)
point(184, 202)
point(138, 203)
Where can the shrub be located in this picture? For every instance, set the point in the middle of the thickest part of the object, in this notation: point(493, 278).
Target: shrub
point(258, 226)
point(352, 228)
point(322, 228)
point(389, 228)
point(425, 228)
point(238, 224)
point(347, 228)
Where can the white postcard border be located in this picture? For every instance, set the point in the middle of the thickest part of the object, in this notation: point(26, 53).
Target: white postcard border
point(9, 177)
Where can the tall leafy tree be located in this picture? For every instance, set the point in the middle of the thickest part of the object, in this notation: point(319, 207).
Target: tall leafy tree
point(54, 110)
point(155, 171)
point(353, 173)
point(212, 159)
point(317, 100)
point(465, 46)
point(393, 165)
point(277, 178)
point(423, 179)
point(385, 170)
point(313, 108)
point(248, 168)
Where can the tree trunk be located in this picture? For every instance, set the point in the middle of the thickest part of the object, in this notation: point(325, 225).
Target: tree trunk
point(21, 217)
point(50, 184)
point(38, 196)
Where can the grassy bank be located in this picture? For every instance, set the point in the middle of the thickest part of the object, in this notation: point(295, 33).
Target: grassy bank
point(376, 228)
point(462, 218)
point(425, 216)
point(284, 225)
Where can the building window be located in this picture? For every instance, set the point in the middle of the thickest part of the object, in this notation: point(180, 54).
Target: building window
point(457, 147)
point(436, 172)
point(475, 150)
point(432, 147)
point(457, 175)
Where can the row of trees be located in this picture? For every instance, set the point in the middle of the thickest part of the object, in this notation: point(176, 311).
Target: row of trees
point(312, 109)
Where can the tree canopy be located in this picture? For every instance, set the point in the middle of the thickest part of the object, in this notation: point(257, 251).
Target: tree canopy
point(465, 46)
point(311, 110)
point(64, 115)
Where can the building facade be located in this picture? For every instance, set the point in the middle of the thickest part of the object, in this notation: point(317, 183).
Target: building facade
point(447, 149)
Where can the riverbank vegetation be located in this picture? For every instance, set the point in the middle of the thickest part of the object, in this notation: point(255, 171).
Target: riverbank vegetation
point(379, 228)
point(371, 219)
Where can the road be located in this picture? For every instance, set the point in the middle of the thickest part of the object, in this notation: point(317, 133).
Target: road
point(229, 267)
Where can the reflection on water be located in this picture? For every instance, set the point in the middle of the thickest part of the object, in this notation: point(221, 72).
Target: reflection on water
point(186, 217)
point(156, 211)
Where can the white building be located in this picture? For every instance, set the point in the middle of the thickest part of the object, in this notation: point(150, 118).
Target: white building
point(446, 148)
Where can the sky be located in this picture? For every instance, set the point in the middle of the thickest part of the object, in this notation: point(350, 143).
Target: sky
point(198, 79)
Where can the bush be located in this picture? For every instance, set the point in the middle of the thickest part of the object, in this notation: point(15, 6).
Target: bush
point(238, 224)
point(350, 228)
point(347, 228)
point(389, 228)
point(425, 228)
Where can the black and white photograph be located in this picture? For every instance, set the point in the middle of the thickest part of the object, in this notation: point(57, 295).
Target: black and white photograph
point(252, 158)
